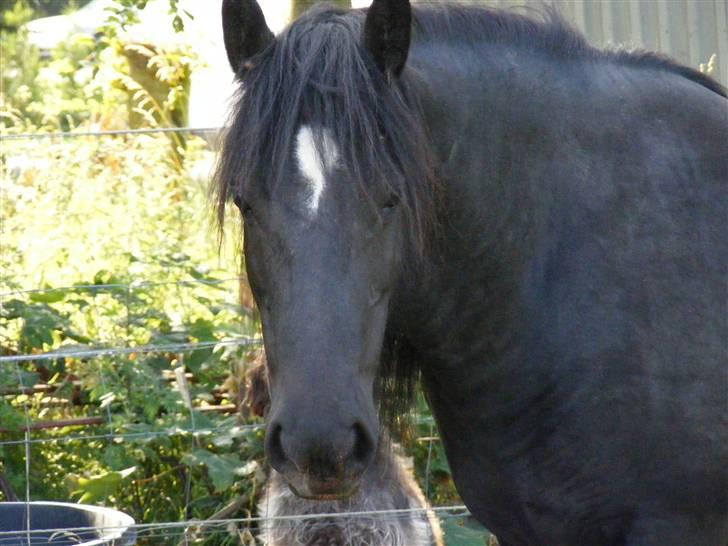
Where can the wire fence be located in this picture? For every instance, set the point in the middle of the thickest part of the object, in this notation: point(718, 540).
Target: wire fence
point(199, 528)
point(140, 349)
point(99, 427)
point(138, 284)
point(117, 132)
point(176, 532)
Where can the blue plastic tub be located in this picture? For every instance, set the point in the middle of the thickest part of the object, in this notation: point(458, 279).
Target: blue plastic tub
point(63, 524)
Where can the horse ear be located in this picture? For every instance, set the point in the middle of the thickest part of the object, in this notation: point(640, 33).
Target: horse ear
point(244, 30)
point(387, 34)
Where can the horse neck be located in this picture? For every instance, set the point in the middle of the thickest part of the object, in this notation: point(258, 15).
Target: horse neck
point(461, 310)
point(493, 154)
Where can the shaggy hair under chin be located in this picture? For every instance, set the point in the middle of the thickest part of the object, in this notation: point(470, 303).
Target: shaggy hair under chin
point(386, 485)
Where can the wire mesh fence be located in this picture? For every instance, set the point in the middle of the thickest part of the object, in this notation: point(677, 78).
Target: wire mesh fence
point(196, 530)
point(120, 391)
point(102, 426)
point(108, 429)
point(117, 132)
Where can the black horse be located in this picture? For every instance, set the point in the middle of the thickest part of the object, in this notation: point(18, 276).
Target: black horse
point(536, 227)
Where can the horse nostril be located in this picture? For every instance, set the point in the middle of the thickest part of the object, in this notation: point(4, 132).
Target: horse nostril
point(274, 447)
point(363, 445)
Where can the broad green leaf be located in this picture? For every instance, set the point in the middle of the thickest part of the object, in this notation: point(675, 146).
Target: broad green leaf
point(464, 531)
point(48, 296)
point(221, 469)
point(10, 418)
point(226, 437)
point(195, 359)
point(99, 487)
point(202, 420)
point(117, 457)
point(203, 330)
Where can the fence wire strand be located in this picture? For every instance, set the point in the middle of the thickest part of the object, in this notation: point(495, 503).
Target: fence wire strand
point(456, 510)
point(106, 351)
point(134, 285)
point(146, 435)
point(114, 132)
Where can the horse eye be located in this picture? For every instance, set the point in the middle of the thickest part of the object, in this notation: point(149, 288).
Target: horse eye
point(388, 208)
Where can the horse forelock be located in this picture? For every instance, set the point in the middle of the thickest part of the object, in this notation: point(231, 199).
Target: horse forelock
point(318, 78)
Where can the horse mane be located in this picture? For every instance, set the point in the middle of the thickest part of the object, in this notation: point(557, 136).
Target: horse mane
point(543, 30)
point(650, 59)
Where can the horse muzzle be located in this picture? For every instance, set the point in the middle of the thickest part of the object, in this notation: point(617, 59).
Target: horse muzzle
point(323, 466)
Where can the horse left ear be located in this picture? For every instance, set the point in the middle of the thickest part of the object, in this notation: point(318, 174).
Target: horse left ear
point(387, 34)
point(244, 31)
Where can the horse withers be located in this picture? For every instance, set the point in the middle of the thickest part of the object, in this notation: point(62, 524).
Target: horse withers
point(388, 508)
point(533, 226)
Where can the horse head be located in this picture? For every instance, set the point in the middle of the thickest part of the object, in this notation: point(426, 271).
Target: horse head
point(311, 162)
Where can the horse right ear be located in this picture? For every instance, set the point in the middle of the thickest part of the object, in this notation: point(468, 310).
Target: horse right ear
point(244, 30)
point(387, 31)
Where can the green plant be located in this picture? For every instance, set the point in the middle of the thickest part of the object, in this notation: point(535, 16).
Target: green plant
point(127, 12)
point(144, 269)
point(69, 89)
point(98, 81)
point(142, 222)
point(157, 82)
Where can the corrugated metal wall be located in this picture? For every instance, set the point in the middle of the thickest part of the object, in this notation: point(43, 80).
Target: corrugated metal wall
point(688, 30)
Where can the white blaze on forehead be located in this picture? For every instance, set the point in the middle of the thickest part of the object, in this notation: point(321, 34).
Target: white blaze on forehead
point(313, 167)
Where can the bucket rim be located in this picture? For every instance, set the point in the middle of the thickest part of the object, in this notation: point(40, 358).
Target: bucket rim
point(121, 531)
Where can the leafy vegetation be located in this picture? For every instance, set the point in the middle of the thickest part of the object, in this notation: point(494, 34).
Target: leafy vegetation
point(118, 227)
point(114, 222)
